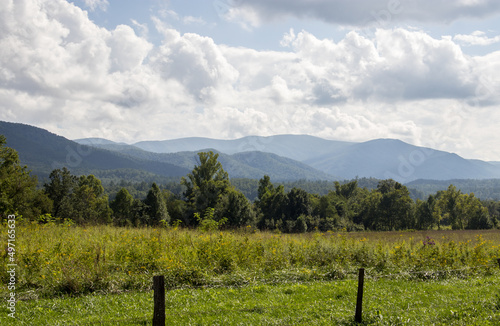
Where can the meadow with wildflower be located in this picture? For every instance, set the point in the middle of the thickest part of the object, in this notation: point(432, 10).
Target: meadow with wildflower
point(57, 260)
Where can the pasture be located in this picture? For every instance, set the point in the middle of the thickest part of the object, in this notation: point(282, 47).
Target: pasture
point(85, 275)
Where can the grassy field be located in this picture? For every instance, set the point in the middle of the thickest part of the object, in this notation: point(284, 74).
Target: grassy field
point(474, 301)
point(72, 272)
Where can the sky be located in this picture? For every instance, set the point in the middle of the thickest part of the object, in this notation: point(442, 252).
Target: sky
point(425, 72)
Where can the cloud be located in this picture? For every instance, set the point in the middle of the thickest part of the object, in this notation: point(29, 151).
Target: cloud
point(60, 71)
point(188, 20)
point(194, 61)
point(96, 4)
point(143, 28)
point(476, 38)
point(128, 50)
point(360, 12)
point(169, 14)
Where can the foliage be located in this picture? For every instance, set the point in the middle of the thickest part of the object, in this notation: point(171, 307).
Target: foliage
point(86, 202)
point(486, 189)
point(206, 182)
point(236, 208)
point(18, 193)
point(271, 203)
point(156, 208)
point(57, 258)
point(208, 222)
point(122, 207)
point(462, 211)
point(281, 207)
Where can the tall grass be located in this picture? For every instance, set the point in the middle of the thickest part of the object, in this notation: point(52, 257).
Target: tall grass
point(56, 259)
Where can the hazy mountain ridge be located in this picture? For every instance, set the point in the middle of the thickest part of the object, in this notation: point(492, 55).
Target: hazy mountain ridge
point(43, 151)
point(296, 147)
point(390, 158)
point(379, 158)
point(249, 157)
point(252, 165)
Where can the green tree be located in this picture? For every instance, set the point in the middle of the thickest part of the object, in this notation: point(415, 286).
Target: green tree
point(370, 215)
point(494, 211)
point(156, 207)
point(448, 207)
point(18, 193)
point(87, 204)
point(346, 190)
point(265, 186)
point(389, 207)
point(297, 204)
point(476, 215)
point(234, 206)
point(61, 186)
point(271, 204)
point(206, 183)
point(396, 206)
point(122, 207)
point(427, 214)
point(463, 211)
point(346, 199)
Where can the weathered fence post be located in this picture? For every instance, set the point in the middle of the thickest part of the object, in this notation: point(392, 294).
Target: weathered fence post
point(159, 300)
point(359, 301)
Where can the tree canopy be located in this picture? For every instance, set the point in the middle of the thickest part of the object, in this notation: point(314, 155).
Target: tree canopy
point(210, 199)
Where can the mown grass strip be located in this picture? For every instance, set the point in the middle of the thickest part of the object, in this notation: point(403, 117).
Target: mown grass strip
point(453, 301)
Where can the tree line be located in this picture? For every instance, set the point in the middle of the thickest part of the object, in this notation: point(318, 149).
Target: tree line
point(209, 199)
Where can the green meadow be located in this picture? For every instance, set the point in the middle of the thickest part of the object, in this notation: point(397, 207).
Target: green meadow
point(69, 275)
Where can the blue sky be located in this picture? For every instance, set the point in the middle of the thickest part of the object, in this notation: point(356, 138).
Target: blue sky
point(425, 72)
point(208, 18)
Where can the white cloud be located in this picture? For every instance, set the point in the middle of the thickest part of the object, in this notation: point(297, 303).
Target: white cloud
point(359, 12)
point(246, 17)
point(96, 4)
point(193, 20)
point(169, 13)
point(128, 51)
point(476, 38)
point(143, 28)
point(64, 73)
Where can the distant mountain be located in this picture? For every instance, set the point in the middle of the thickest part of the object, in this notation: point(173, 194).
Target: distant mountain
point(282, 157)
point(380, 158)
point(296, 147)
point(43, 151)
point(253, 165)
point(95, 141)
point(390, 158)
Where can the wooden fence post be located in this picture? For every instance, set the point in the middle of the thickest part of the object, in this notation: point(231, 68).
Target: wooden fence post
point(359, 301)
point(159, 300)
point(498, 261)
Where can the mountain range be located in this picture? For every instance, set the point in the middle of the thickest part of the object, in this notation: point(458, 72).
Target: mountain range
point(379, 158)
point(43, 151)
point(282, 157)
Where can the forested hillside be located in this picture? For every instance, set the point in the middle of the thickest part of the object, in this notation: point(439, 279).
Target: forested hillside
point(44, 151)
point(379, 158)
point(488, 189)
point(206, 198)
